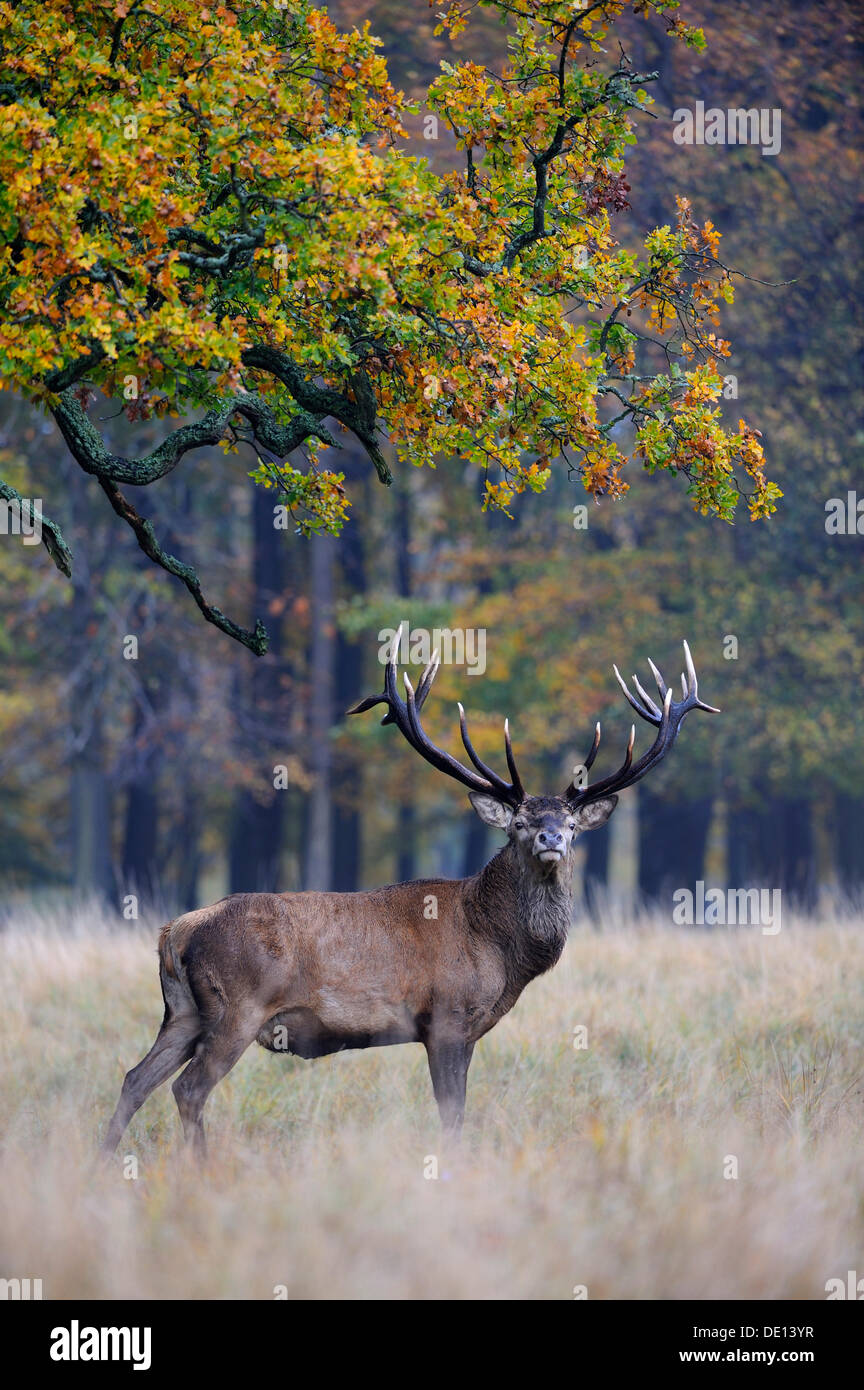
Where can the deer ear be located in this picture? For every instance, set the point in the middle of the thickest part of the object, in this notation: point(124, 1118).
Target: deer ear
point(593, 816)
point(490, 810)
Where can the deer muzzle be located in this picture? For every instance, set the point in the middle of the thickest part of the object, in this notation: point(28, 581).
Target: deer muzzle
point(549, 846)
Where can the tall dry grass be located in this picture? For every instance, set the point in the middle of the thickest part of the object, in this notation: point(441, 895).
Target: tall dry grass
point(601, 1167)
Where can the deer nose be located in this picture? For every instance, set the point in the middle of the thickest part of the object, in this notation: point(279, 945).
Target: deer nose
point(552, 838)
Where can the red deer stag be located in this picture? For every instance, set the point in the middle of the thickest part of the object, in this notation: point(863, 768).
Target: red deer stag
point(313, 973)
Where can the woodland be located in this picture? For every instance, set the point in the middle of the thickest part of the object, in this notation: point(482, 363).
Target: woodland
point(298, 342)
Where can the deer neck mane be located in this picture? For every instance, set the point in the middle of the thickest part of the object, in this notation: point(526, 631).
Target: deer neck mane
point(525, 908)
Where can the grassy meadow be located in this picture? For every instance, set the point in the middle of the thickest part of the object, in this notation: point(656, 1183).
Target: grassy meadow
point(599, 1166)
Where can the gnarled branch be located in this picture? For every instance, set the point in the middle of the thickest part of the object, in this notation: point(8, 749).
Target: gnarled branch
point(356, 411)
point(51, 535)
point(256, 640)
point(357, 415)
point(89, 450)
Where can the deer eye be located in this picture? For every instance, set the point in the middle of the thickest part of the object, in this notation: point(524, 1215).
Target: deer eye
point(571, 825)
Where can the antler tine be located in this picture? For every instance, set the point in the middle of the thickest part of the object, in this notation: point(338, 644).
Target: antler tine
point(667, 721)
point(628, 756)
point(631, 699)
point(661, 684)
point(391, 678)
point(592, 752)
point(405, 714)
point(422, 744)
point(616, 779)
point(515, 779)
point(646, 699)
point(386, 698)
point(469, 747)
point(428, 676)
point(573, 790)
point(693, 684)
point(391, 685)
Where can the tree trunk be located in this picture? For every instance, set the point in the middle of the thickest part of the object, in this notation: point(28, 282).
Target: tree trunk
point(623, 868)
point(849, 841)
point(348, 682)
point(90, 799)
point(672, 841)
point(255, 843)
point(773, 847)
point(476, 845)
point(89, 788)
point(596, 874)
point(406, 811)
point(406, 832)
point(796, 864)
point(190, 861)
point(139, 870)
point(346, 804)
point(318, 868)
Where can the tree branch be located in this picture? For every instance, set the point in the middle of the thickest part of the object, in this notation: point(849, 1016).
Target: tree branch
point(239, 250)
point(357, 415)
point(617, 85)
point(73, 371)
point(51, 535)
point(87, 447)
point(256, 640)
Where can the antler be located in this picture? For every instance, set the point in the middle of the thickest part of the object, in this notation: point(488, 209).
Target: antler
point(668, 721)
point(405, 714)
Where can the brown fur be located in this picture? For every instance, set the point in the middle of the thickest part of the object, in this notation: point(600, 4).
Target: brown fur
point(314, 973)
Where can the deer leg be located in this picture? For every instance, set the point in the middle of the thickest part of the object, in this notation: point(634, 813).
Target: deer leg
point(448, 1067)
point(174, 1045)
point(214, 1057)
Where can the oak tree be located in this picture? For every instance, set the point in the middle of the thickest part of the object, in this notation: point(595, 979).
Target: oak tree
point(212, 215)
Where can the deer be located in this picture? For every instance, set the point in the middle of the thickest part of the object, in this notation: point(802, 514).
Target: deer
point(313, 973)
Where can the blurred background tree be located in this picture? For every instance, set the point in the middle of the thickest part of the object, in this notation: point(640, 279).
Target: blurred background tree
point(190, 770)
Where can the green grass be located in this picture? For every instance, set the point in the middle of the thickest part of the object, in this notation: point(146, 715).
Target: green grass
point(601, 1167)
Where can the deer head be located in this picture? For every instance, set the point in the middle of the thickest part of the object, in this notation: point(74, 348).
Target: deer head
point(541, 828)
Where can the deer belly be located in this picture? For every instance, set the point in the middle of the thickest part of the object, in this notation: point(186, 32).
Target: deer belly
point(364, 1014)
point(335, 1026)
